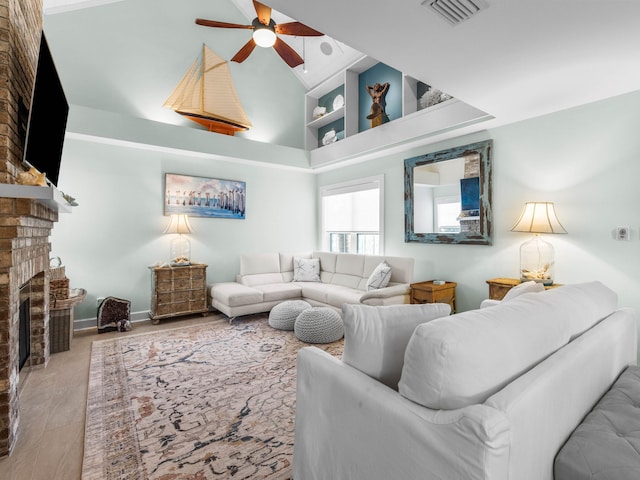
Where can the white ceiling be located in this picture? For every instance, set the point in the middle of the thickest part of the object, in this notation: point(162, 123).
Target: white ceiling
point(517, 59)
point(323, 56)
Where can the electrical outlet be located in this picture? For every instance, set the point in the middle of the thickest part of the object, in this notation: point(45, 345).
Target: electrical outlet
point(623, 233)
point(99, 300)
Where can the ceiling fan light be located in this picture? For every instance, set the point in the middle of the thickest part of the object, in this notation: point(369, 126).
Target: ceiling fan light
point(264, 37)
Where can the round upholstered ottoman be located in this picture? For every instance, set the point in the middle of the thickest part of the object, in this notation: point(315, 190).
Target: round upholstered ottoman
point(319, 325)
point(283, 316)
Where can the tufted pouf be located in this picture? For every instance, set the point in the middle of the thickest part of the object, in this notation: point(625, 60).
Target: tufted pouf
point(319, 325)
point(605, 445)
point(283, 316)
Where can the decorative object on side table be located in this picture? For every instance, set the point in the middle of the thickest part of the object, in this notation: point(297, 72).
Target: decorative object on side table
point(180, 248)
point(434, 291)
point(536, 255)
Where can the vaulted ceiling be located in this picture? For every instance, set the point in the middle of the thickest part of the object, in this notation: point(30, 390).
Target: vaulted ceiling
point(515, 59)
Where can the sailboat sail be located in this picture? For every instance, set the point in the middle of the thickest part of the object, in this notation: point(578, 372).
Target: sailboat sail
point(207, 96)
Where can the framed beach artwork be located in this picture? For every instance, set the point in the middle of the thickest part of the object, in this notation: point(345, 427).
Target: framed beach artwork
point(204, 197)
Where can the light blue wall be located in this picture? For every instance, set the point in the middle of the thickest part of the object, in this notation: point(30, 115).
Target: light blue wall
point(129, 74)
point(584, 159)
point(108, 241)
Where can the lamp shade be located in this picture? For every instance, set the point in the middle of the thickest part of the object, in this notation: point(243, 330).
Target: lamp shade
point(178, 224)
point(537, 257)
point(538, 217)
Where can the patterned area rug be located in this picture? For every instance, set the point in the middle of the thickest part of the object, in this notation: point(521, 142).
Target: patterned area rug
point(210, 401)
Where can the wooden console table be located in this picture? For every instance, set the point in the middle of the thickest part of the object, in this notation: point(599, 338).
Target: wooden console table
point(428, 292)
point(178, 291)
point(498, 287)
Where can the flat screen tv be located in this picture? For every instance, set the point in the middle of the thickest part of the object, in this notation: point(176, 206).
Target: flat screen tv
point(47, 121)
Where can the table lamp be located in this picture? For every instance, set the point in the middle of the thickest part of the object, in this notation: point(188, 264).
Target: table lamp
point(180, 247)
point(536, 255)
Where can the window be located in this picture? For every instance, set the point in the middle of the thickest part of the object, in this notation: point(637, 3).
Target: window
point(352, 216)
point(447, 214)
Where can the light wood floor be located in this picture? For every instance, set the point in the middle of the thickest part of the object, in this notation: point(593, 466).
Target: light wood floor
point(52, 409)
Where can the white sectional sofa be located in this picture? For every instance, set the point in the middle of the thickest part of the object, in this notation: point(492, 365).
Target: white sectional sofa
point(267, 279)
point(486, 394)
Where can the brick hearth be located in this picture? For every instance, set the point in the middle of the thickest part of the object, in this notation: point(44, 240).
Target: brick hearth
point(25, 224)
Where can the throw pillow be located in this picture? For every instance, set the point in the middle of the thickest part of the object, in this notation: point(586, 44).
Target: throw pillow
point(525, 287)
point(380, 276)
point(306, 269)
point(375, 338)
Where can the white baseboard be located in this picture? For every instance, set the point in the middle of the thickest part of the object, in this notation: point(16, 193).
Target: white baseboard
point(91, 323)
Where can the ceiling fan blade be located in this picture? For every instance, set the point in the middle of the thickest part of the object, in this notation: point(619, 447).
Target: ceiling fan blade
point(297, 28)
point(264, 12)
point(214, 23)
point(244, 52)
point(288, 54)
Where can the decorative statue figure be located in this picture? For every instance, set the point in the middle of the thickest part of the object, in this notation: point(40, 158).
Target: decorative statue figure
point(377, 114)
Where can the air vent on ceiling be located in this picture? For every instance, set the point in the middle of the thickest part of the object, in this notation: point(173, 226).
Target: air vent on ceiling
point(456, 11)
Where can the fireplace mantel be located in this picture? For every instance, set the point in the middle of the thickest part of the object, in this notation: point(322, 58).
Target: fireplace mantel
point(50, 196)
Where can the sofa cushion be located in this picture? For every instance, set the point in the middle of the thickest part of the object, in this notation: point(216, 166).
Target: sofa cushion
point(463, 359)
point(260, 279)
point(380, 277)
point(338, 296)
point(279, 291)
point(524, 287)
point(606, 445)
point(375, 338)
point(234, 294)
point(316, 291)
point(259, 263)
point(286, 261)
point(306, 269)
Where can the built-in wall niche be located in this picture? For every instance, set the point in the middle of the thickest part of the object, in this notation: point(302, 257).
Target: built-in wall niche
point(422, 111)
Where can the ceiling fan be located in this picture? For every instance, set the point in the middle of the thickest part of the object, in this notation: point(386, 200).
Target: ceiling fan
point(264, 35)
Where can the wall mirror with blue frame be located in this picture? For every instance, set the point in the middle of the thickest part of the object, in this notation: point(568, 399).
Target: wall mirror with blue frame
point(447, 195)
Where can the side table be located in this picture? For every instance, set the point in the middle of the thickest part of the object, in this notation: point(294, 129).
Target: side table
point(178, 291)
point(498, 287)
point(428, 292)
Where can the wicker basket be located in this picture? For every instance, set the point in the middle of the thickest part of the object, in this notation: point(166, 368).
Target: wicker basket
point(60, 330)
point(57, 273)
point(56, 269)
point(59, 289)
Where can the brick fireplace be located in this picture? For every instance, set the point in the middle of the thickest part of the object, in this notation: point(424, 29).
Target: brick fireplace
point(25, 223)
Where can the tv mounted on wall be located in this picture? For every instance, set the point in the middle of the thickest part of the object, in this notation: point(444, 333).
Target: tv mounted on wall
point(47, 121)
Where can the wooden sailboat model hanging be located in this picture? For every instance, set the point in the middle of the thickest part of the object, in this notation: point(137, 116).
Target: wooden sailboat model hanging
point(207, 96)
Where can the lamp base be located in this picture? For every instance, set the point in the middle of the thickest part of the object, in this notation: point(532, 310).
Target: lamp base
point(545, 282)
point(180, 251)
point(537, 261)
